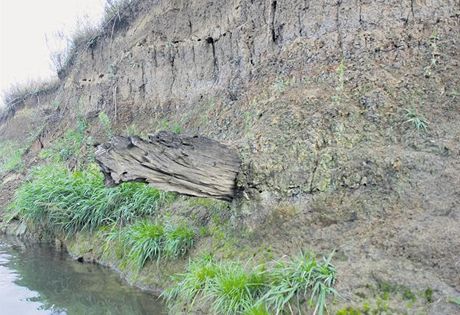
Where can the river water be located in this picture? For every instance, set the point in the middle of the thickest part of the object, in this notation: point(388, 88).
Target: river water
point(35, 279)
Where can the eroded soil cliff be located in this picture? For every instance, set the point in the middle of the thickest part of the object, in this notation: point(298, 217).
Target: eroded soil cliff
point(345, 114)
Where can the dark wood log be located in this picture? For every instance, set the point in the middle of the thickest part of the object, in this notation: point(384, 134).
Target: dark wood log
point(194, 166)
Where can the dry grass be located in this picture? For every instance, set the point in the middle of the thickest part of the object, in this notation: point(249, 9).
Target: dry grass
point(84, 37)
point(87, 34)
point(14, 97)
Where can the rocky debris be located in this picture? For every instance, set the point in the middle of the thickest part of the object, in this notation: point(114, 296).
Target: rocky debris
point(194, 166)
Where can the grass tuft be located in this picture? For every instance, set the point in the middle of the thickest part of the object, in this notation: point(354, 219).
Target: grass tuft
point(149, 241)
point(418, 121)
point(144, 241)
point(190, 285)
point(63, 201)
point(257, 310)
point(178, 240)
point(294, 286)
point(302, 278)
point(428, 294)
point(235, 289)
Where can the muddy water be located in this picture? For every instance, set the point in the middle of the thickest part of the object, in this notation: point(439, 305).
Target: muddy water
point(35, 279)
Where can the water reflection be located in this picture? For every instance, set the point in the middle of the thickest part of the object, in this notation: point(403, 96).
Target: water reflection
point(34, 279)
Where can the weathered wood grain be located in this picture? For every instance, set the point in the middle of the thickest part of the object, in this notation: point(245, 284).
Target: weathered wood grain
point(195, 166)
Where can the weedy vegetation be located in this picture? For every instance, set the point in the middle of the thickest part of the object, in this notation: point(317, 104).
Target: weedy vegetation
point(172, 126)
point(10, 157)
point(87, 34)
point(231, 287)
point(435, 55)
point(190, 285)
point(297, 286)
point(454, 300)
point(418, 121)
point(146, 241)
point(257, 310)
point(71, 145)
point(67, 202)
point(12, 153)
point(428, 295)
point(349, 311)
point(301, 278)
point(178, 240)
point(16, 94)
point(212, 205)
point(106, 124)
point(134, 130)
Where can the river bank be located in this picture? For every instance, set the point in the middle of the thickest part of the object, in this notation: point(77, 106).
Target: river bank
point(88, 248)
point(39, 279)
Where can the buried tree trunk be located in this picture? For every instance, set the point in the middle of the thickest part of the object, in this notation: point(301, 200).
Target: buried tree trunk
point(195, 166)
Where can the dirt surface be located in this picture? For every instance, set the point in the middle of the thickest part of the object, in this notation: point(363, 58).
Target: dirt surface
point(320, 98)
